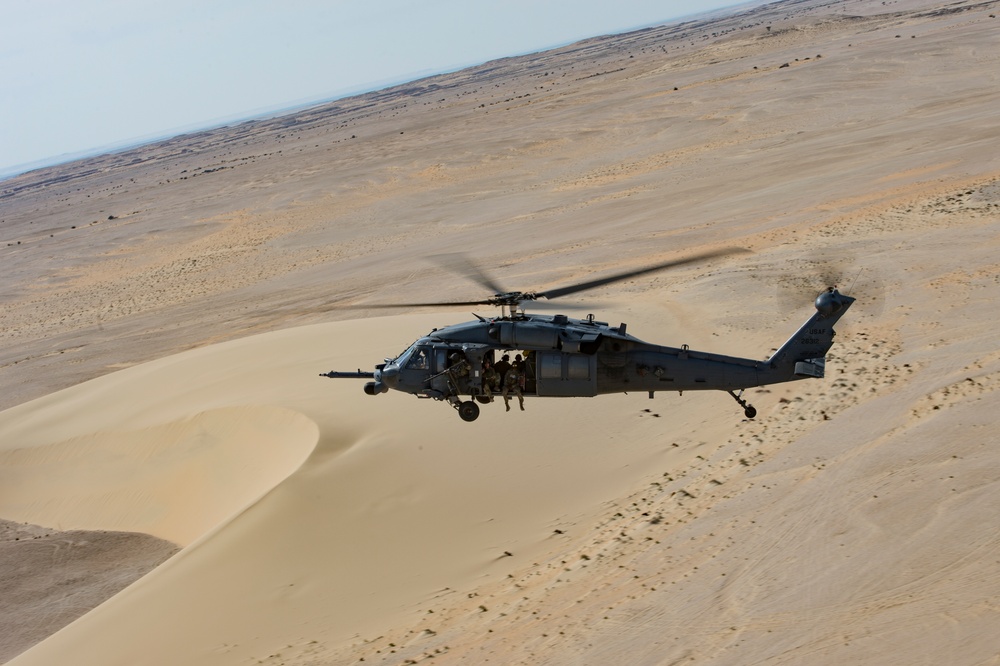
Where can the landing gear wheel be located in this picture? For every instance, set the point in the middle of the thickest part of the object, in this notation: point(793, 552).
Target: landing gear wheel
point(748, 409)
point(468, 410)
point(482, 399)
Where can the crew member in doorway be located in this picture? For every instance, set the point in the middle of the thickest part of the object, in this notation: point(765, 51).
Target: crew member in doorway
point(491, 380)
point(512, 382)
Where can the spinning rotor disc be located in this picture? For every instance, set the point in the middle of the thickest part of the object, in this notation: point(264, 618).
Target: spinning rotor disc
point(462, 265)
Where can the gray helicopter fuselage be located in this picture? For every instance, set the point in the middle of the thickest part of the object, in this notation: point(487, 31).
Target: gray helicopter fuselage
point(573, 357)
point(580, 358)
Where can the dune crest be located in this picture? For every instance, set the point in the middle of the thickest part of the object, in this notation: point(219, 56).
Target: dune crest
point(175, 481)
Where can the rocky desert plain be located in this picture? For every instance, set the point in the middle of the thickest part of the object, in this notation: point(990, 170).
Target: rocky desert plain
point(179, 486)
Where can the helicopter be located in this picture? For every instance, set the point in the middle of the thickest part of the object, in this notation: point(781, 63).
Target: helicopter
point(567, 357)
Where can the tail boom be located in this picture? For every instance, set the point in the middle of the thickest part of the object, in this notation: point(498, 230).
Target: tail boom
point(804, 354)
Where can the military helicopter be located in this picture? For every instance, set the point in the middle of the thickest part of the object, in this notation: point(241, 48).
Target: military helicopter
point(566, 357)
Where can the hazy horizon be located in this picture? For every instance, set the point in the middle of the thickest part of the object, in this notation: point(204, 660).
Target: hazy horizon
point(108, 75)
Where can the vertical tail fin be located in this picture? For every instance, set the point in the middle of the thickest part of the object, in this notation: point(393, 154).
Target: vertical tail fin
point(803, 355)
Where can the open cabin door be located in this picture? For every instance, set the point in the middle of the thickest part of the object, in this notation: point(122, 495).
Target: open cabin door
point(562, 374)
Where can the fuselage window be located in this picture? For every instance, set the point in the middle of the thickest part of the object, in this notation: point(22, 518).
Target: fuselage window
point(550, 366)
point(441, 360)
point(579, 367)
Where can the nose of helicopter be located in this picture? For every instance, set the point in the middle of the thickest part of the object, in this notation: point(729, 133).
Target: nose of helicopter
point(389, 375)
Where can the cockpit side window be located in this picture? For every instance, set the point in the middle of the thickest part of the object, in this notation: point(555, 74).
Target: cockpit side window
point(419, 359)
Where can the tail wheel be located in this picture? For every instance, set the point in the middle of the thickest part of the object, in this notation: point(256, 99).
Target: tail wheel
point(468, 410)
point(748, 409)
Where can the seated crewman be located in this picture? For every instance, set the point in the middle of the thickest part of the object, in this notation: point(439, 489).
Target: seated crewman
point(512, 382)
point(491, 380)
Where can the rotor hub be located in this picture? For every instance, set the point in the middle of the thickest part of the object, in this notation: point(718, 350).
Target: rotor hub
point(831, 301)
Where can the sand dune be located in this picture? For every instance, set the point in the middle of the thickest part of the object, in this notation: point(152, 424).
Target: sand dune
point(180, 458)
point(166, 312)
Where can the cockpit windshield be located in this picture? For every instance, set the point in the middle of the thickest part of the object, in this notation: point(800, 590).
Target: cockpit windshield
point(417, 357)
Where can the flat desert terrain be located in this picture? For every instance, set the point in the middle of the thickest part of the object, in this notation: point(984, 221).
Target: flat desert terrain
point(178, 485)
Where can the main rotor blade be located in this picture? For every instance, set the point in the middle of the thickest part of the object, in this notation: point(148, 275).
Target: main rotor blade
point(600, 282)
point(459, 263)
point(390, 306)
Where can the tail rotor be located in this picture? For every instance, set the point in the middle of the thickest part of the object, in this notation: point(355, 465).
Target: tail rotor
point(811, 276)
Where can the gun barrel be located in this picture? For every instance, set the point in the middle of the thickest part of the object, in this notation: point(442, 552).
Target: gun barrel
point(333, 374)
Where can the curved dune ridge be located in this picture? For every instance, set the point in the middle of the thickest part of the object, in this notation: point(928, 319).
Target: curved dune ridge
point(175, 481)
point(170, 448)
point(174, 447)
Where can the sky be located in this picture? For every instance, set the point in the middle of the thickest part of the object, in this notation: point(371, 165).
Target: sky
point(82, 76)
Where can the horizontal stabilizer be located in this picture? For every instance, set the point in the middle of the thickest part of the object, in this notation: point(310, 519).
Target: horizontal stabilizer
point(813, 367)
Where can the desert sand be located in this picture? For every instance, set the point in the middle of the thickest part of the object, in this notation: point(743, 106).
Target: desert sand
point(179, 486)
